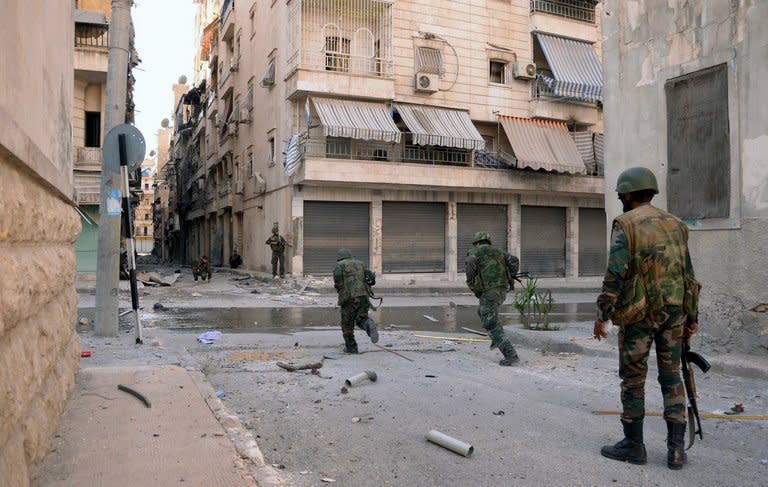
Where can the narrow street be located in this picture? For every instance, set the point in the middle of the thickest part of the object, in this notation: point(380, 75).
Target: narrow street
point(529, 425)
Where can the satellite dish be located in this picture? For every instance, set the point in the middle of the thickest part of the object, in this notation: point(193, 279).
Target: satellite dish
point(182, 80)
point(152, 153)
point(165, 123)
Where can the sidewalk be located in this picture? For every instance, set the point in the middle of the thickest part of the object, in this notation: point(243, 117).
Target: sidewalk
point(109, 438)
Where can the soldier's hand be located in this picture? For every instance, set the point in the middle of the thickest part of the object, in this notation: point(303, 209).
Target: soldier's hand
point(599, 330)
point(690, 329)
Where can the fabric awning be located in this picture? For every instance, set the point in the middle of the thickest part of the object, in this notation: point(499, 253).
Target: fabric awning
point(541, 144)
point(576, 68)
point(441, 126)
point(90, 17)
point(356, 119)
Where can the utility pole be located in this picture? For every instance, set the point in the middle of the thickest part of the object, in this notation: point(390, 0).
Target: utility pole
point(107, 269)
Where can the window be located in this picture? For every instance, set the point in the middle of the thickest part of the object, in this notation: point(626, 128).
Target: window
point(145, 231)
point(271, 149)
point(249, 164)
point(583, 10)
point(698, 145)
point(498, 72)
point(146, 216)
point(269, 75)
point(337, 51)
point(93, 129)
point(429, 60)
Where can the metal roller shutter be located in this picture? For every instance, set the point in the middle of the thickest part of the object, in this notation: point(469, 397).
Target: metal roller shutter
point(331, 225)
point(413, 237)
point(593, 255)
point(543, 241)
point(479, 218)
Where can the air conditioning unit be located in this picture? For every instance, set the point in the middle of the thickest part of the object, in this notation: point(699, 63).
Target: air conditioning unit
point(234, 65)
point(244, 115)
point(524, 70)
point(427, 82)
point(239, 187)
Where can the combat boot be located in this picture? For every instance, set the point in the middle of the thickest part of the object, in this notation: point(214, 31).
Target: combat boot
point(370, 328)
point(350, 345)
point(510, 354)
point(676, 456)
point(631, 449)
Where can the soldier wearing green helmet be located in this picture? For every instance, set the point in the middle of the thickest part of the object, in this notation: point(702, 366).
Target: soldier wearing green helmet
point(650, 292)
point(490, 273)
point(349, 279)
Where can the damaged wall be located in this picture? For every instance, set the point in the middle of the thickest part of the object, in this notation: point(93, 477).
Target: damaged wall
point(645, 44)
point(39, 350)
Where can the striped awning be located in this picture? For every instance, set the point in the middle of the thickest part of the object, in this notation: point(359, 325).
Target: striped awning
point(576, 68)
point(441, 126)
point(542, 144)
point(356, 119)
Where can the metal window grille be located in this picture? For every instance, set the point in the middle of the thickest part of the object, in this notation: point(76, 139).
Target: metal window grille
point(429, 60)
point(91, 35)
point(583, 10)
point(352, 36)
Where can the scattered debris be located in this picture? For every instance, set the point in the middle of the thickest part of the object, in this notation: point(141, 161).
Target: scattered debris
point(344, 390)
point(159, 307)
point(431, 376)
point(451, 304)
point(333, 355)
point(197, 295)
point(209, 337)
point(737, 408)
point(260, 356)
point(476, 332)
point(220, 394)
point(294, 368)
point(450, 443)
point(760, 308)
point(328, 480)
point(358, 378)
point(431, 318)
point(255, 291)
point(392, 351)
point(472, 340)
point(362, 419)
point(141, 397)
point(85, 354)
point(279, 466)
point(500, 412)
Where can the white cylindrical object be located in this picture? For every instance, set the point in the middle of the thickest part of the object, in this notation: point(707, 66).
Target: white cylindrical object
point(356, 379)
point(450, 443)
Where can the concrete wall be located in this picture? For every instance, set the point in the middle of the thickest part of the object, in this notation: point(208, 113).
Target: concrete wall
point(39, 349)
point(645, 44)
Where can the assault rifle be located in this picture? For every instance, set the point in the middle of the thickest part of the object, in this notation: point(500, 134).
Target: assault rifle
point(694, 421)
point(516, 277)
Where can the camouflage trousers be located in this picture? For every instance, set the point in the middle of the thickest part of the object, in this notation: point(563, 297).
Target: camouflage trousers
point(278, 258)
point(201, 271)
point(665, 328)
point(354, 312)
point(490, 301)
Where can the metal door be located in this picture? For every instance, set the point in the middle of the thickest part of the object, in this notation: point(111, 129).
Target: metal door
point(479, 218)
point(331, 225)
point(543, 241)
point(413, 237)
point(593, 254)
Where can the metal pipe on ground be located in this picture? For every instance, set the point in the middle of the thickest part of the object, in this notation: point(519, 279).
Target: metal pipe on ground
point(356, 379)
point(450, 443)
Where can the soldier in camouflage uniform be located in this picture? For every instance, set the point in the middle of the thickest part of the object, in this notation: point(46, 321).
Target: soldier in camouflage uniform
point(490, 273)
point(649, 273)
point(277, 243)
point(202, 269)
point(350, 282)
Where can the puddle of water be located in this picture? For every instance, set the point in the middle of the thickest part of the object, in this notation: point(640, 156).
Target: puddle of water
point(428, 318)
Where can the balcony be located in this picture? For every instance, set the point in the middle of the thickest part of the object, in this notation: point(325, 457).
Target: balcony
point(227, 26)
point(581, 10)
point(91, 36)
point(88, 159)
point(545, 104)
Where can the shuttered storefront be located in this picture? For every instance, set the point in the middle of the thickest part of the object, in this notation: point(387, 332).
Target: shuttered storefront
point(331, 225)
point(543, 241)
point(593, 255)
point(479, 218)
point(413, 237)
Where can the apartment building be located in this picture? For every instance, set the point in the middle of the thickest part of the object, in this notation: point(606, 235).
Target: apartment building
point(91, 45)
point(395, 129)
point(143, 221)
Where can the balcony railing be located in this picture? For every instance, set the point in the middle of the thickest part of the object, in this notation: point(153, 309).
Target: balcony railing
point(582, 10)
point(90, 35)
point(88, 158)
point(342, 63)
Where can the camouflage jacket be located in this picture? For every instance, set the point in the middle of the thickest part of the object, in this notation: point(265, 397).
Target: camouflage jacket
point(649, 266)
point(276, 243)
point(349, 280)
point(489, 268)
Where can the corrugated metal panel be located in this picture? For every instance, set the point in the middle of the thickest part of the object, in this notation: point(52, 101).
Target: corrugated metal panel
point(542, 233)
point(413, 237)
point(698, 148)
point(599, 148)
point(356, 120)
point(441, 126)
point(479, 218)
point(330, 226)
point(593, 254)
point(585, 147)
point(577, 69)
point(542, 144)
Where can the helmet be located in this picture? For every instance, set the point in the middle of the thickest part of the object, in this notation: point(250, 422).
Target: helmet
point(343, 254)
point(480, 236)
point(636, 179)
point(275, 230)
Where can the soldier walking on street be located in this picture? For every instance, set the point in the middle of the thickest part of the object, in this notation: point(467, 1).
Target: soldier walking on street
point(277, 243)
point(349, 279)
point(650, 292)
point(202, 269)
point(490, 274)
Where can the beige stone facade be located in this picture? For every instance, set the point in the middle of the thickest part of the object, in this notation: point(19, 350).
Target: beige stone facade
point(143, 221)
point(272, 66)
point(39, 349)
